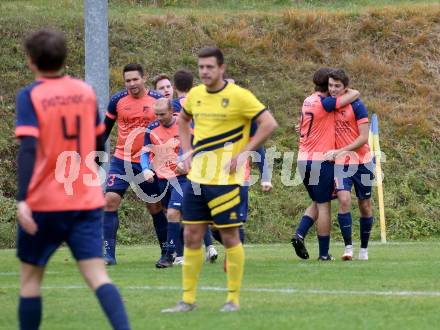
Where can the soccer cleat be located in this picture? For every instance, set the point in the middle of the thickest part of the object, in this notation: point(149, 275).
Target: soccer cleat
point(165, 261)
point(348, 253)
point(326, 258)
point(211, 254)
point(178, 261)
point(300, 248)
point(230, 307)
point(363, 254)
point(181, 307)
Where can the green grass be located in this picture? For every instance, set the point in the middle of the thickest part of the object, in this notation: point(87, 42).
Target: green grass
point(396, 289)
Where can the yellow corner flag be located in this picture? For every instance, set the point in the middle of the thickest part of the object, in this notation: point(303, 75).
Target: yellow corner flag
point(373, 141)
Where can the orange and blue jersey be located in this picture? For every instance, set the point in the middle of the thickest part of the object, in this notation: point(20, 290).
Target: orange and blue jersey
point(133, 116)
point(317, 129)
point(347, 121)
point(61, 113)
point(161, 149)
point(178, 104)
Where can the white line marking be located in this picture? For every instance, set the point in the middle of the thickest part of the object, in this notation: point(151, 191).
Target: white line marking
point(261, 290)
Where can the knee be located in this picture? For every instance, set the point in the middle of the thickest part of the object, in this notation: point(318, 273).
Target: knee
point(154, 208)
point(366, 208)
point(192, 238)
point(112, 201)
point(344, 203)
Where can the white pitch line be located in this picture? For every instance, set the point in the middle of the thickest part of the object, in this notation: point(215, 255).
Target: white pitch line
point(262, 290)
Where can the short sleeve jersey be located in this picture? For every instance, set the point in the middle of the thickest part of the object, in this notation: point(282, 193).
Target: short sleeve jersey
point(347, 121)
point(163, 144)
point(133, 115)
point(222, 122)
point(62, 114)
point(317, 129)
point(178, 104)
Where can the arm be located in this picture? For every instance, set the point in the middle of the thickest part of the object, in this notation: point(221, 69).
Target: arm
point(359, 142)
point(109, 123)
point(331, 103)
point(184, 121)
point(145, 159)
point(266, 184)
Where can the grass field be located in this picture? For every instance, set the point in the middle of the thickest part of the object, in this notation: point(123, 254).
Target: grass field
point(398, 288)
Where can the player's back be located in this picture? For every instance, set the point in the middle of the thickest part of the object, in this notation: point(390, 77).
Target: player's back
point(317, 130)
point(66, 124)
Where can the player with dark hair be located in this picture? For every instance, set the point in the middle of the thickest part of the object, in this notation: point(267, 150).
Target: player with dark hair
point(132, 108)
point(183, 82)
point(162, 84)
point(222, 115)
point(58, 124)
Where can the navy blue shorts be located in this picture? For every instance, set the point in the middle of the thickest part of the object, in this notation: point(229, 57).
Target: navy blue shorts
point(360, 176)
point(173, 192)
point(211, 204)
point(318, 178)
point(118, 182)
point(81, 230)
point(244, 205)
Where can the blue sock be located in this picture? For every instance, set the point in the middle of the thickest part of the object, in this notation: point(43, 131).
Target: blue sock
point(29, 313)
point(304, 226)
point(324, 245)
point(160, 223)
point(365, 230)
point(173, 236)
point(345, 224)
point(179, 244)
point(111, 225)
point(111, 302)
point(216, 235)
point(207, 239)
point(241, 233)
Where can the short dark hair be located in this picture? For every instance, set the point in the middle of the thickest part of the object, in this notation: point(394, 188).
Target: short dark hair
point(133, 67)
point(212, 52)
point(320, 79)
point(340, 75)
point(158, 78)
point(47, 49)
point(183, 80)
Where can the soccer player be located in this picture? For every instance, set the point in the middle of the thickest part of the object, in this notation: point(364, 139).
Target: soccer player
point(317, 136)
point(132, 108)
point(353, 165)
point(162, 84)
point(58, 123)
point(183, 82)
point(160, 158)
point(222, 115)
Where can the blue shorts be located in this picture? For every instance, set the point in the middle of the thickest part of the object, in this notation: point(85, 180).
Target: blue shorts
point(81, 230)
point(360, 176)
point(318, 178)
point(244, 205)
point(211, 204)
point(173, 192)
point(118, 184)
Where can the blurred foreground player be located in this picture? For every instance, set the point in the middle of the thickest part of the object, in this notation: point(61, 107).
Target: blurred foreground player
point(59, 130)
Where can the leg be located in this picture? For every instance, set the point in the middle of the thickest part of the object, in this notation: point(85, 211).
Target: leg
point(160, 223)
point(95, 275)
point(30, 305)
point(173, 238)
point(111, 225)
point(366, 223)
point(234, 266)
point(345, 221)
point(211, 252)
point(323, 228)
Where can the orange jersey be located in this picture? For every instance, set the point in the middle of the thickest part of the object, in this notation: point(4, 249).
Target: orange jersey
point(62, 114)
point(133, 116)
point(317, 129)
point(347, 121)
point(163, 145)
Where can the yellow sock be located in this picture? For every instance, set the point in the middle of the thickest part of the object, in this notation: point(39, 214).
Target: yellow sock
point(192, 265)
point(234, 268)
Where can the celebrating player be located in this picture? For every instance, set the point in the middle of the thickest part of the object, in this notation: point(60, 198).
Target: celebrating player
point(222, 115)
point(132, 108)
point(59, 130)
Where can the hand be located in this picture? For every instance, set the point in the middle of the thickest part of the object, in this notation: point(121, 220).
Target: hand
point(266, 186)
point(25, 219)
point(180, 168)
point(236, 162)
point(149, 176)
point(330, 155)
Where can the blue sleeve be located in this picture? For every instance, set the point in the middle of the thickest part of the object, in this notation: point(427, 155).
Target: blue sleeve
point(359, 109)
point(25, 165)
point(145, 156)
point(113, 104)
point(26, 115)
point(329, 103)
point(262, 166)
point(176, 106)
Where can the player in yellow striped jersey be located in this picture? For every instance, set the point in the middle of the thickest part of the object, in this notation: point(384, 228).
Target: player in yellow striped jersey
point(222, 114)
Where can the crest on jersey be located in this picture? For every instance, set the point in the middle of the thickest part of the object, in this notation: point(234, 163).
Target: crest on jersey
point(233, 216)
point(199, 103)
point(225, 102)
